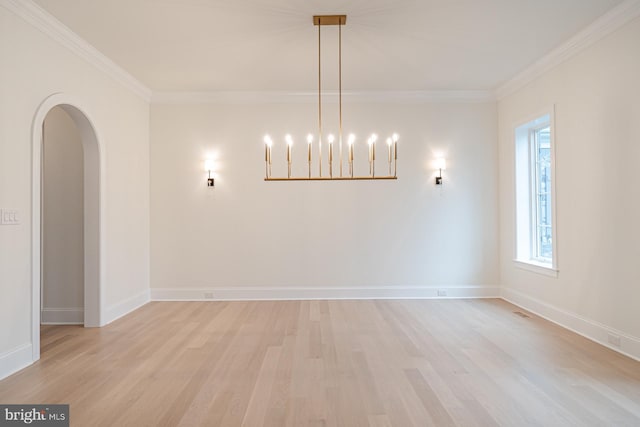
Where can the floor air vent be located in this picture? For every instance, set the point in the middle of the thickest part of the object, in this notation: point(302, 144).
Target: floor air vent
point(521, 314)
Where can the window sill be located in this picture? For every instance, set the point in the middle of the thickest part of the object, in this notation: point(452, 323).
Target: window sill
point(536, 267)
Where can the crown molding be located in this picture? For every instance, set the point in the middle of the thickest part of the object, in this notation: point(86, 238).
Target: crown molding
point(597, 30)
point(353, 97)
point(47, 24)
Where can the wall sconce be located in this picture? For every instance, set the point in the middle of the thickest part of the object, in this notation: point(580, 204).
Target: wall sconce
point(441, 164)
point(208, 166)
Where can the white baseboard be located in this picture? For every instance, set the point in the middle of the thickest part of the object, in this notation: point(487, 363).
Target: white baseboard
point(267, 294)
point(62, 316)
point(16, 359)
point(125, 307)
point(629, 345)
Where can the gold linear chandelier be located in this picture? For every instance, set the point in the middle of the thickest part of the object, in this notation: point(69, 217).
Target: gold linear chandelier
point(392, 141)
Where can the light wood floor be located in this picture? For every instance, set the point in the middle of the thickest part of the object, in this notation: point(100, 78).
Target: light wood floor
point(328, 363)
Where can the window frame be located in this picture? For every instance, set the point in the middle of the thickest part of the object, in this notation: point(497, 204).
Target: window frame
point(526, 208)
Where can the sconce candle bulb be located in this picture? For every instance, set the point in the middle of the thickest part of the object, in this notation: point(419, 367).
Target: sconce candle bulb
point(208, 166)
point(441, 164)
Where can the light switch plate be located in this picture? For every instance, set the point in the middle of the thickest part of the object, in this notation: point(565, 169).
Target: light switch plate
point(9, 217)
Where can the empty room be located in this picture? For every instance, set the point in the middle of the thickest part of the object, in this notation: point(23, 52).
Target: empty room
point(319, 213)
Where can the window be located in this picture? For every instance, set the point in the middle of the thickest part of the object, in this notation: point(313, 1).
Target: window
point(541, 193)
point(534, 193)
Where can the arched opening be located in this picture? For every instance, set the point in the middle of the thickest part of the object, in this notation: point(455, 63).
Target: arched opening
point(91, 206)
point(62, 213)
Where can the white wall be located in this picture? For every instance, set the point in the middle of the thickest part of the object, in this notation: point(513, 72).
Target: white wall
point(246, 237)
point(597, 97)
point(33, 67)
point(62, 220)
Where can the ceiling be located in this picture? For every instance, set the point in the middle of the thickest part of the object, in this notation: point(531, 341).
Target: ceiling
point(271, 45)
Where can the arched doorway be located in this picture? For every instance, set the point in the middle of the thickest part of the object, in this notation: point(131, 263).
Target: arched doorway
point(92, 194)
point(62, 221)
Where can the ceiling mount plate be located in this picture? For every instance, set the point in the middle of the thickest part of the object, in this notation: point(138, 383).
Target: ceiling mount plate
point(329, 19)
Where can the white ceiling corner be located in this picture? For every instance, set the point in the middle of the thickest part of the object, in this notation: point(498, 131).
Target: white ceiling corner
point(600, 28)
point(53, 28)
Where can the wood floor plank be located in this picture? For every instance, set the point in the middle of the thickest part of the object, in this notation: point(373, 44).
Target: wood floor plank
point(330, 363)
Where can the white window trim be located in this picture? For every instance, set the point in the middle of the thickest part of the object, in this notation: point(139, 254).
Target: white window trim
point(536, 267)
point(547, 269)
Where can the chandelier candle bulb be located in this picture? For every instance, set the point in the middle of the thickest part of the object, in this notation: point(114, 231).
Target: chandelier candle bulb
point(340, 148)
point(268, 143)
point(373, 146)
point(370, 142)
point(309, 144)
point(289, 144)
point(373, 165)
point(352, 138)
point(320, 153)
point(395, 159)
point(266, 148)
point(395, 138)
point(331, 139)
point(267, 154)
point(389, 143)
point(350, 151)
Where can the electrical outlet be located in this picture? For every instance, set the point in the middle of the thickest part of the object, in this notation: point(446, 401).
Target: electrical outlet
point(208, 295)
point(614, 339)
point(442, 293)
